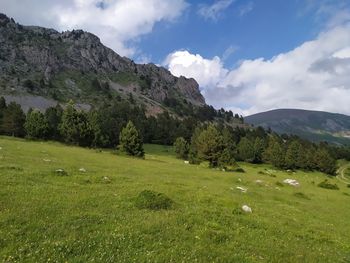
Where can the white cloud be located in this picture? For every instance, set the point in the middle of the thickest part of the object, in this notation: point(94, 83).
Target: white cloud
point(245, 9)
point(116, 22)
point(208, 72)
point(228, 52)
point(315, 75)
point(213, 11)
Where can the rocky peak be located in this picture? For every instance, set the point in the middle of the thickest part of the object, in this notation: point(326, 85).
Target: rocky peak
point(36, 52)
point(4, 20)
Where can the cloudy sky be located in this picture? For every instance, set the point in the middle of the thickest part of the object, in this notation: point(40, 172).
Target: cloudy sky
point(247, 55)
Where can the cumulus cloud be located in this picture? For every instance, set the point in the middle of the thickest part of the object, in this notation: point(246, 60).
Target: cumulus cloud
point(208, 72)
point(119, 23)
point(214, 11)
point(314, 75)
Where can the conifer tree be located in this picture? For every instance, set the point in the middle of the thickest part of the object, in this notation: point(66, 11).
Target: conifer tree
point(75, 127)
point(258, 150)
point(274, 153)
point(53, 116)
point(292, 155)
point(210, 145)
point(324, 161)
point(130, 141)
point(181, 148)
point(36, 125)
point(13, 120)
point(245, 150)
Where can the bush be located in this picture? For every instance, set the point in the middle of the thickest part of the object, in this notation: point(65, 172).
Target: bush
point(148, 199)
point(61, 172)
point(327, 185)
point(302, 195)
point(279, 184)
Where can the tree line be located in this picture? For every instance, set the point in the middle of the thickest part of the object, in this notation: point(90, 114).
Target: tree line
point(222, 147)
point(196, 139)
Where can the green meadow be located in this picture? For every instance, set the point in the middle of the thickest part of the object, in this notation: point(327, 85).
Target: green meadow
point(88, 212)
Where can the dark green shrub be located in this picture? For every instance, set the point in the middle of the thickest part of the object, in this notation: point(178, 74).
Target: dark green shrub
point(302, 195)
point(60, 172)
point(148, 199)
point(327, 185)
point(279, 184)
point(239, 170)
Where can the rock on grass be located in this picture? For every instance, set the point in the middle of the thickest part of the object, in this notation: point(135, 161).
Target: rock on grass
point(148, 199)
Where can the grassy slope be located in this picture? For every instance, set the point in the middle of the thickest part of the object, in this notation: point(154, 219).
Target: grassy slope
point(82, 217)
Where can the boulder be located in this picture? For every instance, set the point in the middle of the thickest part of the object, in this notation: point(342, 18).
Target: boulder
point(291, 182)
point(247, 209)
point(242, 189)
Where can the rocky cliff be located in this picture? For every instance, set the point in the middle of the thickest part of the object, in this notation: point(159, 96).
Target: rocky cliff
point(41, 62)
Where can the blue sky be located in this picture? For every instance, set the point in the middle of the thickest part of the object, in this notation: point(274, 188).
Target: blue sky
point(269, 28)
point(246, 55)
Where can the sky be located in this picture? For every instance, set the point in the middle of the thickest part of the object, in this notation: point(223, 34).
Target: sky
point(248, 56)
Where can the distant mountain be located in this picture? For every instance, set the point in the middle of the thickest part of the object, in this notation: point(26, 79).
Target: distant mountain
point(313, 125)
point(40, 67)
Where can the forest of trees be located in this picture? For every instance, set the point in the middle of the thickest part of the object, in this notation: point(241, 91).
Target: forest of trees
point(196, 138)
point(223, 147)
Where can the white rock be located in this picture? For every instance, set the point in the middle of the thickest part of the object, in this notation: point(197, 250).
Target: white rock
point(259, 181)
point(59, 170)
point(291, 182)
point(106, 179)
point(46, 160)
point(242, 189)
point(186, 162)
point(246, 209)
point(82, 170)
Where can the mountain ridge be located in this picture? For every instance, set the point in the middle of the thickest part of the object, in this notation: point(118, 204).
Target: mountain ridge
point(37, 61)
point(309, 124)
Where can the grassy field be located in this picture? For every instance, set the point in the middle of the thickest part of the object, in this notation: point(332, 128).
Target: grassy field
point(91, 216)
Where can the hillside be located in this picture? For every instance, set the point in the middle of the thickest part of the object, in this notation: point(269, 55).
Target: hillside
point(40, 67)
point(312, 125)
point(90, 213)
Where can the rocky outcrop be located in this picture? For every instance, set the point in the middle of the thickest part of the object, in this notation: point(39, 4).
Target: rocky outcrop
point(45, 56)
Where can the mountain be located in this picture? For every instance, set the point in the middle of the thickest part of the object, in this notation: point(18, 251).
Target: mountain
point(313, 125)
point(40, 67)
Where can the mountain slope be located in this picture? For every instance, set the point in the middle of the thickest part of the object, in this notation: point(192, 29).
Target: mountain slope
point(40, 66)
point(312, 125)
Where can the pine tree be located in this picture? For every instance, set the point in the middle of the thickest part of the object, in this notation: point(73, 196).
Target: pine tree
point(75, 127)
point(229, 142)
point(3, 107)
point(100, 138)
point(292, 159)
point(193, 151)
point(13, 120)
point(274, 153)
point(130, 141)
point(245, 150)
point(210, 145)
point(181, 148)
point(324, 161)
point(36, 125)
point(258, 150)
point(53, 116)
